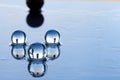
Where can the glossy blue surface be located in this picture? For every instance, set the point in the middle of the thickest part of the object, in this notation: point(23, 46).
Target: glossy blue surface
point(90, 36)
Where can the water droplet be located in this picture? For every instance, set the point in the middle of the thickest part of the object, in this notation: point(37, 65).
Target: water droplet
point(35, 5)
point(53, 51)
point(37, 69)
point(36, 51)
point(18, 51)
point(18, 37)
point(52, 36)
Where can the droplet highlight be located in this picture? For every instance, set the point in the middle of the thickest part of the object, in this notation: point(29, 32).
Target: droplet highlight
point(36, 51)
point(52, 36)
point(18, 37)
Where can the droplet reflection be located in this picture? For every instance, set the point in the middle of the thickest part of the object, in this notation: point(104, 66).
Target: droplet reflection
point(35, 19)
point(53, 51)
point(36, 51)
point(52, 36)
point(18, 51)
point(18, 37)
point(37, 69)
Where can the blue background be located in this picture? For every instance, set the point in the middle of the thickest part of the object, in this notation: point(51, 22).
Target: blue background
point(90, 36)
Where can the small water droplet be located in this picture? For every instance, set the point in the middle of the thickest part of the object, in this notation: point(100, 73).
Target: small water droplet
point(36, 51)
point(52, 36)
point(37, 69)
point(35, 5)
point(53, 51)
point(18, 51)
point(18, 37)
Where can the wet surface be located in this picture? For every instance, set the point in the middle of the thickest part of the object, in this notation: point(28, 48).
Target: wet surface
point(89, 34)
point(38, 54)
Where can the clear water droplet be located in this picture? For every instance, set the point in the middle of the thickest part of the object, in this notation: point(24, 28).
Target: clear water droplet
point(18, 51)
point(53, 51)
point(37, 69)
point(52, 36)
point(18, 37)
point(36, 51)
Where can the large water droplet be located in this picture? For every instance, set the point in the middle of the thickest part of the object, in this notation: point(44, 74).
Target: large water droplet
point(53, 51)
point(36, 51)
point(52, 36)
point(18, 51)
point(18, 37)
point(37, 69)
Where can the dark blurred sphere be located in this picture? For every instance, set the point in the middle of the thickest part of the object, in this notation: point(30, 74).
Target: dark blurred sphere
point(35, 5)
point(35, 19)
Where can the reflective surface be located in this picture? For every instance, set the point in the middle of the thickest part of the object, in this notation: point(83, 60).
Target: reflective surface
point(89, 33)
